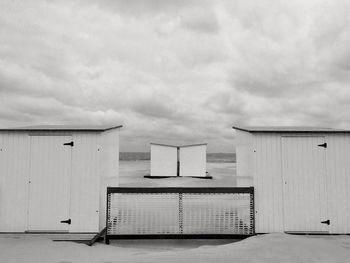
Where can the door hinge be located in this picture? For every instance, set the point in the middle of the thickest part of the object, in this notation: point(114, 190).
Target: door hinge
point(69, 143)
point(324, 145)
point(68, 221)
point(327, 222)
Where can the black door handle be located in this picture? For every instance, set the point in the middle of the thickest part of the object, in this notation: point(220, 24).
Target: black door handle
point(68, 221)
point(327, 222)
point(69, 143)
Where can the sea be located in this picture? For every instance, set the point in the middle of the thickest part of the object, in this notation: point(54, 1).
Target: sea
point(211, 157)
point(133, 166)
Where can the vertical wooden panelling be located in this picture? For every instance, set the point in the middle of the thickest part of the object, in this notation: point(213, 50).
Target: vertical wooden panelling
point(338, 181)
point(95, 164)
point(85, 181)
point(303, 171)
point(268, 183)
point(267, 169)
point(50, 173)
point(108, 168)
point(14, 176)
point(244, 154)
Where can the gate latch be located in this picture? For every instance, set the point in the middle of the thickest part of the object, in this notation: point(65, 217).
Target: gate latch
point(68, 221)
point(323, 145)
point(69, 143)
point(327, 222)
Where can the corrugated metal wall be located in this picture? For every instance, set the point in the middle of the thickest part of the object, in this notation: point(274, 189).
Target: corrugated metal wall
point(266, 159)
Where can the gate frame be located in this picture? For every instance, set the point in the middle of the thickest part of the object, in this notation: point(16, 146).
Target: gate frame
point(181, 190)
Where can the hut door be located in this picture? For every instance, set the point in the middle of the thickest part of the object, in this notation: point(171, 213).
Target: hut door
point(303, 168)
point(50, 170)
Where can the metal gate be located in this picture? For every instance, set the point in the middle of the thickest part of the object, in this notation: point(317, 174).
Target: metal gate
point(173, 212)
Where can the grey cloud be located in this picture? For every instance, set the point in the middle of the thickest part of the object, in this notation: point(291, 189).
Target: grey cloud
point(201, 20)
point(142, 8)
point(154, 108)
point(180, 70)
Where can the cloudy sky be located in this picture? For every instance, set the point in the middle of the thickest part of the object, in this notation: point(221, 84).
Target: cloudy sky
point(175, 70)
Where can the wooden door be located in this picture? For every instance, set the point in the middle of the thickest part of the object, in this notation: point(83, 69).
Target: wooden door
point(49, 191)
point(303, 168)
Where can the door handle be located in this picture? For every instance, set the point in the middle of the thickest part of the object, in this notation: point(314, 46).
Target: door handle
point(327, 222)
point(68, 221)
point(71, 144)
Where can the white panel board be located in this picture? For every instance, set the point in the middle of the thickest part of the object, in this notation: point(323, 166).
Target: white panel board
point(85, 182)
point(303, 168)
point(49, 188)
point(193, 160)
point(244, 159)
point(268, 193)
point(94, 164)
point(266, 164)
point(338, 182)
point(109, 168)
point(14, 176)
point(163, 160)
point(244, 154)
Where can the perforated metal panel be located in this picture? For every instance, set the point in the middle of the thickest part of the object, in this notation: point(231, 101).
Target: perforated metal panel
point(180, 211)
point(217, 213)
point(143, 213)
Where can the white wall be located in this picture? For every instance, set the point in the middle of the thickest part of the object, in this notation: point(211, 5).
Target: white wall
point(85, 179)
point(244, 159)
point(338, 182)
point(94, 156)
point(163, 160)
point(193, 160)
point(14, 176)
point(109, 168)
point(267, 171)
point(268, 184)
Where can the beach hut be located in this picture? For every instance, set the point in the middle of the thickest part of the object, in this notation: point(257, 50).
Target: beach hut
point(54, 178)
point(301, 177)
point(172, 160)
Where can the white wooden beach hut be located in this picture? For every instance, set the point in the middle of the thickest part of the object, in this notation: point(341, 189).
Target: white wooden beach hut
point(50, 174)
point(163, 160)
point(173, 160)
point(301, 177)
point(193, 160)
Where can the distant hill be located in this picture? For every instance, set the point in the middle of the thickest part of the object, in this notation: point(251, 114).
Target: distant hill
point(211, 157)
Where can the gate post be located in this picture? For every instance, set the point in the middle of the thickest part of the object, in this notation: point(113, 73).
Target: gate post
point(180, 213)
point(108, 202)
point(252, 207)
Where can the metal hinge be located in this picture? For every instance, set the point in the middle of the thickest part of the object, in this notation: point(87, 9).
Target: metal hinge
point(327, 222)
point(323, 145)
point(69, 143)
point(68, 221)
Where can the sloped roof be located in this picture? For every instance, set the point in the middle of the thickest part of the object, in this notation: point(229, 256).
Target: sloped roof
point(287, 129)
point(90, 128)
point(180, 145)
